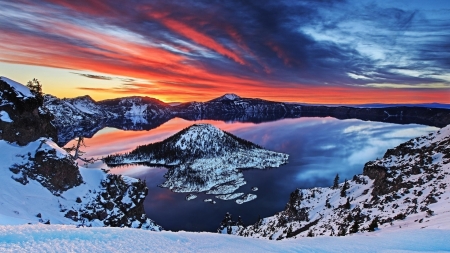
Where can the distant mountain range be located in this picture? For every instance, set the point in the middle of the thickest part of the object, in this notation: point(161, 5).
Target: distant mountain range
point(380, 105)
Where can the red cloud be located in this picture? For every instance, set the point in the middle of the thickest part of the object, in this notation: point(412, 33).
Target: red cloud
point(196, 36)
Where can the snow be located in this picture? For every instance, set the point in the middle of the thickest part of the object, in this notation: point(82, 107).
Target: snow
point(60, 238)
point(246, 198)
point(230, 196)
point(191, 196)
point(136, 110)
point(420, 170)
point(85, 104)
point(20, 89)
point(231, 96)
point(228, 96)
point(4, 116)
point(31, 202)
point(212, 159)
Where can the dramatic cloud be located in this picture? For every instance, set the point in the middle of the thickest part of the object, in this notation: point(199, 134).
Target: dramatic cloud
point(313, 51)
point(94, 76)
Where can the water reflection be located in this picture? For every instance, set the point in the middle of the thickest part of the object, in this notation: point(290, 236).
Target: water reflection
point(319, 148)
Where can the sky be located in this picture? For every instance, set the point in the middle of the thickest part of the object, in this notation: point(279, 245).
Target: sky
point(309, 51)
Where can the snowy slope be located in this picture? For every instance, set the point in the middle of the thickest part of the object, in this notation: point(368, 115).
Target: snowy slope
point(57, 238)
point(203, 158)
point(21, 90)
point(227, 97)
point(408, 187)
point(30, 194)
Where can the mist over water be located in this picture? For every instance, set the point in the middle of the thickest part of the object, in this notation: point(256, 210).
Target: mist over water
point(318, 148)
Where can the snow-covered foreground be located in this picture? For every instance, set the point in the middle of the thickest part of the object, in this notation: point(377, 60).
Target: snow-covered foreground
point(60, 238)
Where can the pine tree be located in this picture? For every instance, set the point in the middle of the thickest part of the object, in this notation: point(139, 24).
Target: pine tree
point(239, 222)
point(344, 189)
point(336, 182)
point(373, 225)
point(355, 227)
point(36, 88)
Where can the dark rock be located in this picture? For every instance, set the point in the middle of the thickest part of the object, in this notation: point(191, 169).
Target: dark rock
point(71, 214)
point(30, 120)
point(54, 173)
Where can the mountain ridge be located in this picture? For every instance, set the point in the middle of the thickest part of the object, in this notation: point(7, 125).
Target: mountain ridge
point(144, 113)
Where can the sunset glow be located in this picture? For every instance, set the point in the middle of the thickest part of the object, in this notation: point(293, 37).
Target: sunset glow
point(322, 52)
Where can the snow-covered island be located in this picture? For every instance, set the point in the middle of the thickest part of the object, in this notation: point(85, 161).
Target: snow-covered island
point(202, 158)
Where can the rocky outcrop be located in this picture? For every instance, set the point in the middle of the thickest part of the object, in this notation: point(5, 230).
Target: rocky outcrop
point(410, 184)
point(55, 172)
point(72, 194)
point(119, 203)
point(27, 119)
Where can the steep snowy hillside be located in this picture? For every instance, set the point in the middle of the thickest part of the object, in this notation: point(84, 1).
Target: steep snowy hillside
point(409, 186)
point(40, 182)
point(202, 158)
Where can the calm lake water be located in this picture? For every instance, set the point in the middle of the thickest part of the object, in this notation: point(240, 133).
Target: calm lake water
point(319, 148)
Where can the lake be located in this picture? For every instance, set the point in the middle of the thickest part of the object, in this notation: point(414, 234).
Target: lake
point(318, 148)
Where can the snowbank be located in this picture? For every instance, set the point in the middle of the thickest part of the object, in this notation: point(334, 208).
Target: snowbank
point(60, 238)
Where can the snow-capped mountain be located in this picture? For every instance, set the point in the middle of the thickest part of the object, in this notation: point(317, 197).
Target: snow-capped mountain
point(409, 186)
point(135, 106)
point(202, 158)
point(75, 117)
point(41, 183)
point(82, 116)
point(231, 104)
point(226, 97)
